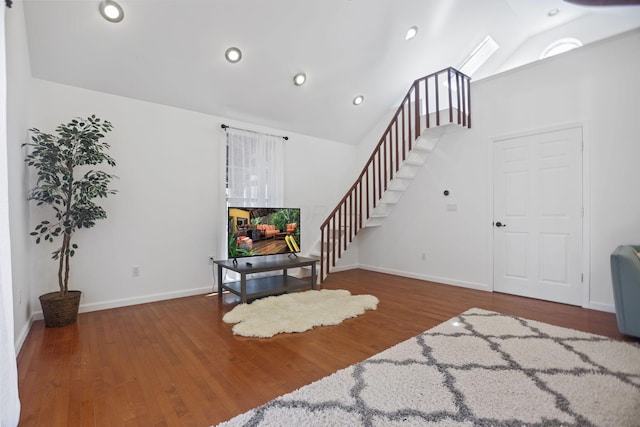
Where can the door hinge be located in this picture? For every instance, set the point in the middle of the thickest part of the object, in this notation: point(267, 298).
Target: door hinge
point(581, 277)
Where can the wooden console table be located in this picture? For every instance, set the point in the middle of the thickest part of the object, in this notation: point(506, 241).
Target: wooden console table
point(263, 286)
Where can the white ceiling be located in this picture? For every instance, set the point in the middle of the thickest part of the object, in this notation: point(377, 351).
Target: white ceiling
point(172, 51)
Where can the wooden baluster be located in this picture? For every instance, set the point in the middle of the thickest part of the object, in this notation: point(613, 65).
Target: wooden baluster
point(450, 95)
point(397, 148)
point(458, 97)
point(468, 98)
point(437, 90)
point(377, 196)
point(344, 226)
point(388, 142)
point(347, 225)
point(384, 163)
point(356, 208)
point(322, 228)
point(339, 229)
point(355, 191)
point(359, 208)
point(409, 121)
point(404, 136)
point(360, 204)
point(347, 213)
point(464, 99)
point(416, 107)
point(374, 192)
point(367, 199)
point(333, 241)
point(426, 101)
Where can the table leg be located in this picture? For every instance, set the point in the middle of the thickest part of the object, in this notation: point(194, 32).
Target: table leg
point(313, 276)
point(219, 281)
point(243, 288)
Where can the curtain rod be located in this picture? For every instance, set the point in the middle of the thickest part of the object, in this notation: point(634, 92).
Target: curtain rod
point(225, 127)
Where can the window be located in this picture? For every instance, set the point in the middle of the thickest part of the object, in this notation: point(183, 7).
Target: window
point(560, 46)
point(255, 172)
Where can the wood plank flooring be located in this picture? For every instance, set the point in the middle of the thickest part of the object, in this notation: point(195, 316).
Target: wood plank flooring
point(175, 363)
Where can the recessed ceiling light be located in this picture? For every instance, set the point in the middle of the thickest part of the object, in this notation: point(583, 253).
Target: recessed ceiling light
point(553, 12)
point(111, 11)
point(299, 79)
point(411, 33)
point(358, 100)
point(233, 54)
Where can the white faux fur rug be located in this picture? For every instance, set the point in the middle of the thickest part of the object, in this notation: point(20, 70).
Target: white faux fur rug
point(297, 312)
point(480, 368)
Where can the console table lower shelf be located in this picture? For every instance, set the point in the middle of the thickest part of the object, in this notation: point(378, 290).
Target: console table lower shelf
point(251, 288)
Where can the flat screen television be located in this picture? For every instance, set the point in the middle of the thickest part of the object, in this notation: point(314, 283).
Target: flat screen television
point(256, 231)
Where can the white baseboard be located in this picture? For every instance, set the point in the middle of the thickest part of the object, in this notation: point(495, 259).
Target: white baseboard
point(22, 336)
point(96, 306)
point(443, 280)
point(338, 269)
point(594, 305)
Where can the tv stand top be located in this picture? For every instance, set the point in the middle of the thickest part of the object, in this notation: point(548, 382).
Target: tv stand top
point(261, 265)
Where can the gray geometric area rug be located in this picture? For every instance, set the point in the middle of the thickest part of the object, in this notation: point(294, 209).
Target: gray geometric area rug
point(480, 368)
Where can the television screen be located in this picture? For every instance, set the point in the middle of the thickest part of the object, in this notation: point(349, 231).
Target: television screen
point(263, 231)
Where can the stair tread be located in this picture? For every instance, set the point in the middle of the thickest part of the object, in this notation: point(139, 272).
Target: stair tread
point(412, 162)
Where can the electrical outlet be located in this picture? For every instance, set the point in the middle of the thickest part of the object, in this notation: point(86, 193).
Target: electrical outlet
point(424, 256)
point(135, 271)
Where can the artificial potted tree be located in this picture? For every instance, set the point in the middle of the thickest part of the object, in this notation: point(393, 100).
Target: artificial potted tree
point(68, 183)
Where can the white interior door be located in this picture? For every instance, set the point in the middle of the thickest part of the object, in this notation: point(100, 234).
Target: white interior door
point(538, 215)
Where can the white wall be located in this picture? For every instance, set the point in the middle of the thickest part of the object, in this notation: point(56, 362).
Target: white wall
point(18, 100)
point(587, 28)
point(595, 86)
point(166, 217)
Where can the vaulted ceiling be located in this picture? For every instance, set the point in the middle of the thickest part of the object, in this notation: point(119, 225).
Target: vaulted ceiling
point(171, 52)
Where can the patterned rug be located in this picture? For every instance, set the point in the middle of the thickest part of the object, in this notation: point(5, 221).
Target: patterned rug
point(478, 369)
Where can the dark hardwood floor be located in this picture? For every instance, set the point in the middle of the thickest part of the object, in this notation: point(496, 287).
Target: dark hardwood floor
point(174, 363)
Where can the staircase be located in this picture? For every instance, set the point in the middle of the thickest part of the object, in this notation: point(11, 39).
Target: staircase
point(439, 99)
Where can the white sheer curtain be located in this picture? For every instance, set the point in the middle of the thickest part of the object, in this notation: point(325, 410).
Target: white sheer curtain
point(255, 174)
point(9, 401)
point(255, 169)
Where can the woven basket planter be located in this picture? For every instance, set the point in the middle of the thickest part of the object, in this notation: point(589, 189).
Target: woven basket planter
point(60, 310)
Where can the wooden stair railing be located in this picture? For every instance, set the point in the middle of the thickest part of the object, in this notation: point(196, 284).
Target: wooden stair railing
point(446, 92)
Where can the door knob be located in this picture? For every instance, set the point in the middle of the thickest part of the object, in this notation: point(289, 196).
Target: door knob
point(499, 224)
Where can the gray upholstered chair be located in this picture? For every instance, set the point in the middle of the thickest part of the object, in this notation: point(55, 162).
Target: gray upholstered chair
point(625, 272)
